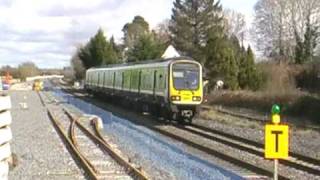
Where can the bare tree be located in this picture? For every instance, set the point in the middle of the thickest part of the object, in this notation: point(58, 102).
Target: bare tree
point(162, 31)
point(235, 24)
point(279, 23)
point(77, 66)
point(28, 69)
point(272, 28)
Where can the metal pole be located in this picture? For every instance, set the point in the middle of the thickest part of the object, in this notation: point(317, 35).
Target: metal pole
point(275, 169)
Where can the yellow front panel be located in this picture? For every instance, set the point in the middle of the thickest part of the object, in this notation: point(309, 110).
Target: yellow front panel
point(276, 141)
point(186, 95)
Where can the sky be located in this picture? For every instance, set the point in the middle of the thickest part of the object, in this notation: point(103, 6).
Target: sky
point(47, 32)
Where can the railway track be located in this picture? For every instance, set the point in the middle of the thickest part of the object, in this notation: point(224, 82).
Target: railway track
point(235, 161)
point(296, 161)
point(261, 120)
point(92, 152)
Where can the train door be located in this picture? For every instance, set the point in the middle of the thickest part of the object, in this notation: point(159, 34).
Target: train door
point(154, 82)
point(104, 79)
point(139, 84)
point(114, 80)
point(122, 80)
point(98, 79)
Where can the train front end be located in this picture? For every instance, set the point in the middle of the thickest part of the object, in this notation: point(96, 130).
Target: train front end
point(185, 88)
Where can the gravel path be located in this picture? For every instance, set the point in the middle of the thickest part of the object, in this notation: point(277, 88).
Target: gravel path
point(39, 150)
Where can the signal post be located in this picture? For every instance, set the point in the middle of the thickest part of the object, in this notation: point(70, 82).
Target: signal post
point(276, 139)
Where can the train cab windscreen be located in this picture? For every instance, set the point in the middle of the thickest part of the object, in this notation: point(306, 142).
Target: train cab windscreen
point(185, 76)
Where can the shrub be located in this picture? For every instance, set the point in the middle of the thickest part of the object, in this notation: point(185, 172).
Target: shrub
point(309, 77)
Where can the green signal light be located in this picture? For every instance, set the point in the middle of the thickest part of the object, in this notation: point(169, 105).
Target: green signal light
point(275, 109)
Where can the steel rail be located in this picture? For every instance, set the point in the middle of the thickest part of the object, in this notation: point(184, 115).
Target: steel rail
point(236, 161)
point(83, 163)
point(134, 172)
point(75, 143)
point(253, 148)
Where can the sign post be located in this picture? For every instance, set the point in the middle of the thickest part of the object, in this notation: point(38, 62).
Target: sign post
point(276, 139)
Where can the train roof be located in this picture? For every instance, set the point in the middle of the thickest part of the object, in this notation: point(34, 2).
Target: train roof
point(165, 61)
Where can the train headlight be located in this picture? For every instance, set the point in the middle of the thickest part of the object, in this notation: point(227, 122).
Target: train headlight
point(196, 98)
point(175, 98)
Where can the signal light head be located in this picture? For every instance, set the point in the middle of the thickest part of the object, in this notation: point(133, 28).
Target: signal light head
point(275, 109)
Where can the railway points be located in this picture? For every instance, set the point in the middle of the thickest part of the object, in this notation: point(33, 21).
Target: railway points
point(37, 149)
point(85, 144)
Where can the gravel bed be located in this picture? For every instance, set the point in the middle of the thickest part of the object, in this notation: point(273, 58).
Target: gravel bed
point(239, 154)
point(106, 166)
point(306, 142)
point(152, 150)
point(303, 141)
point(39, 150)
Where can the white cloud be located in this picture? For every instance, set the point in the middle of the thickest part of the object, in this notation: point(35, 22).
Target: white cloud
point(48, 31)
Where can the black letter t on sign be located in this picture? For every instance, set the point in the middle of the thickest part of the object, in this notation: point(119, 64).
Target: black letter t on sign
point(277, 138)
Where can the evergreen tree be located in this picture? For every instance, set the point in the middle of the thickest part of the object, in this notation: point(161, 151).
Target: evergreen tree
point(132, 31)
point(299, 50)
point(191, 22)
point(145, 48)
point(98, 51)
point(242, 77)
point(237, 49)
point(254, 80)
point(248, 77)
point(221, 63)
point(115, 47)
point(304, 50)
point(310, 41)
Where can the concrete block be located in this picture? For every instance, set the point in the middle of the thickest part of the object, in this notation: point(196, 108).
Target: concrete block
point(5, 135)
point(5, 102)
point(5, 118)
point(5, 151)
point(4, 170)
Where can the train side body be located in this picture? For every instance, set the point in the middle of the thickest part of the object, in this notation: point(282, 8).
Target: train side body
point(170, 87)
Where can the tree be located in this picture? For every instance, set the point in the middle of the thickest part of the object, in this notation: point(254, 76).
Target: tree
point(248, 76)
point(310, 40)
point(146, 48)
point(116, 48)
point(191, 22)
point(28, 69)
point(235, 45)
point(235, 24)
point(243, 69)
point(11, 70)
point(98, 51)
point(305, 48)
point(77, 66)
point(221, 62)
point(281, 25)
point(132, 31)
point(271, 28)
point(162, 32)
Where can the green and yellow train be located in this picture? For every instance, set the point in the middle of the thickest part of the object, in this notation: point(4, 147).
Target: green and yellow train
point(171, 88)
